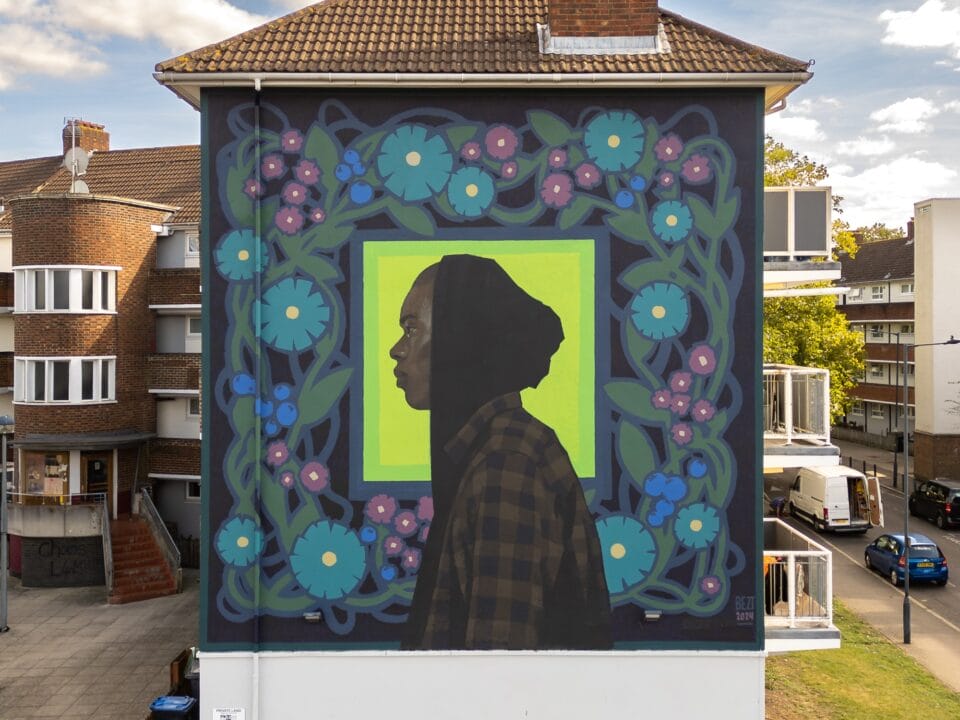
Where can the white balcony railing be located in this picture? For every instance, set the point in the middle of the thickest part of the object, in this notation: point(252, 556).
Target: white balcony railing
point(796, 404)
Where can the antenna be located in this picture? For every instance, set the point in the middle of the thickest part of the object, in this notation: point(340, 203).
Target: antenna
point(76, 160)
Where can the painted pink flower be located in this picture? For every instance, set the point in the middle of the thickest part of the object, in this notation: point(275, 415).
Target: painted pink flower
point(666, 179)
point(318, 215)
point(272, 166)
point(411, 559)
point(291, 141)
point(253, 188)
point(668, 148)
point(405, 523)
point(682, 433)
point(381, 508)
point(286, 479)
point(696, 169)
point(470, 151)
point(710, 584)
point(501, 142)
point(424, 533)
point(557, 158)
point(289, 220)
point(661, 399)
point(394, 545)
point(307, 172)
point(425, 509)
point(557, 190)
point(703, 410)
point(588, 175)
point(294, 193)
point(277, 453)
point(680, 381)
point(702, 360)
point(509, 170)
point(680, 405)
point(315, 476)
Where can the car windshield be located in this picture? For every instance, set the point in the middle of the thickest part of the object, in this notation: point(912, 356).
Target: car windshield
point(924, 551)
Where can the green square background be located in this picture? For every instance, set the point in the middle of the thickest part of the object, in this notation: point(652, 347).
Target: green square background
point(560, 273)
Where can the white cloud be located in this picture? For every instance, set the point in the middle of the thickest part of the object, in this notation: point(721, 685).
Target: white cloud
point(26, 50)
point(866, 146)
point(809, 106)
point(932, 25)
point(792, 129)
point(953, 105)
point(886, 193)
point(908, 116)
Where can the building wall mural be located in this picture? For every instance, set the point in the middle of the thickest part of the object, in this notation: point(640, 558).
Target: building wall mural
point(631, 214)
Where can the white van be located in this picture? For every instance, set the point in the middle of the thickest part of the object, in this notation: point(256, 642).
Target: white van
point(836, 498)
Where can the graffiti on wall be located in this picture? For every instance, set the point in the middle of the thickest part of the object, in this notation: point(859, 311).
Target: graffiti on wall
point(623, 224)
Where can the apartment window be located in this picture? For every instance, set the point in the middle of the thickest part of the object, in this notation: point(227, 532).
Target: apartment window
point(64, 380)
point(877, 332)
point(856, 408)
point(193, 245)
point(876, 411)
point(906, 288)
point(906, 329)
point(855, 294)
point(193, 407)
point(877, 371)
point(876, 292)
point(193, 490)
point(194, 325)
point(65, 289)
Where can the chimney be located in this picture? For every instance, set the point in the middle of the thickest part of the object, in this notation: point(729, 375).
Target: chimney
point(603, 18)
point(910, 229)
point(87, 135)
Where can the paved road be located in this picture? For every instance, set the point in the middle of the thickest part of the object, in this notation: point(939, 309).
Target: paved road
point(935, 610)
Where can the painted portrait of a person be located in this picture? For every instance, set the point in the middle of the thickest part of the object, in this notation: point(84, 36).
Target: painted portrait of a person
point(513, 559)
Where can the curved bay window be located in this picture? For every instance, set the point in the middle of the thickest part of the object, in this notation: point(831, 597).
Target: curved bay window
point(68, 380)
point(62, 289)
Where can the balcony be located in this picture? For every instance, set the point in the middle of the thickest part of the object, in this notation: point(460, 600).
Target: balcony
point(173, 371)
point(175, 287)
point(798, 591)
point(796, 418)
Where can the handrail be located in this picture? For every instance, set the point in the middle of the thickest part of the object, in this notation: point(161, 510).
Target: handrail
point(168, 547)
point(801, 577)
point(107, 545)
point(69, 499)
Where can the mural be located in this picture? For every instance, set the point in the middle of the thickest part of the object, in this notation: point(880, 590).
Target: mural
point(313, 201)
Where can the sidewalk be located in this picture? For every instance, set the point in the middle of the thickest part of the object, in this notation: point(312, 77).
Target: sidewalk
point(68, 654)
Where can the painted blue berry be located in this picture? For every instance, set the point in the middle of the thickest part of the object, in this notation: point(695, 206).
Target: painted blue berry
point(361, 193)
point(281, 391)
point(263, 408)
point(624, 199)
point(243, 384)
point(270, 427)
point(638, 183)
point(358, 168)
point(697, 468)
point(388, 572)
point(343, 172)
point(287, 414)
point(351, 157)
point(368, 534)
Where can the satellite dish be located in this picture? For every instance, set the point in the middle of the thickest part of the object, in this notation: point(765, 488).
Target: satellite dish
point(79, 187)
point(76, 161)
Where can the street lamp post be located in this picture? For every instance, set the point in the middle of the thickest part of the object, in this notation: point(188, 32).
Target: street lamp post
point(906, 486)
point(5, 422)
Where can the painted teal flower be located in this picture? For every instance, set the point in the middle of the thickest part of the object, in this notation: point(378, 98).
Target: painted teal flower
point(697, 525)
point(293, 314)
point(628, 551)
point(239, 541)
point(614, 140)
point(236, 256)
point(328, 560)
point(660, 310)
point(672, 221)
point(413, 164)
point(470, 191)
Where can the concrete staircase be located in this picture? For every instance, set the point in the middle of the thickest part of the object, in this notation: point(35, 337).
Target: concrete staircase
point(140, 571)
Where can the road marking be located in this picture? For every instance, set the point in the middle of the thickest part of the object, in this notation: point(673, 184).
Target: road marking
point(913, 599)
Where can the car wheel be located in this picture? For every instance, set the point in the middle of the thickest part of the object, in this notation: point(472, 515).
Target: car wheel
point(866, 561)
point(913, 508)
point(941, 583)
point(894, 579)
point(792, 509)
point(941, 521)
point(819, 525)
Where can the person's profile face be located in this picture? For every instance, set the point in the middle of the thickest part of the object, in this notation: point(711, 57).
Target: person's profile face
point(412, 351)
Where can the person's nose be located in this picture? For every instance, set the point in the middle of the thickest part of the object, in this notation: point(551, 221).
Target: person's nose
point(397, 351)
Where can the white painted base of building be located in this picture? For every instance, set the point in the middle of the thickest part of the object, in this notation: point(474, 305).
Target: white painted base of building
point(482, 685)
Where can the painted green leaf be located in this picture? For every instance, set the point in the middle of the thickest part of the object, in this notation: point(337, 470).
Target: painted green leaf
point(330, 237)
point(641, 274)
point(629, 224)
point(635, 451)
point(316, 402)
point(322, 149)
point(629, 396)
point(319, 269)
point(639, 346)
point(460, 134)
point(549, 128)
point(412, 217)
point(648, 162)
point(239, 204)
point(710, 224)
point(575, 212)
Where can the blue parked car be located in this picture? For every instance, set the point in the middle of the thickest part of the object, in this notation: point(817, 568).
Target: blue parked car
point(927, 563)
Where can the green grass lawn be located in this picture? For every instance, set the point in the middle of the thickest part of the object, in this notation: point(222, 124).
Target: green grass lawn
point(868, 678)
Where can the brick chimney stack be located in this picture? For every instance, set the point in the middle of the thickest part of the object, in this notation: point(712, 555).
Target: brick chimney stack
point(87, 135)
point(603, 18)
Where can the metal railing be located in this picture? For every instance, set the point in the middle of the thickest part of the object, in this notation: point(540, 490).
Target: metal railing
point(70, 499)
point(168, 547)
point(796, 403)
point(797, 579)
point(107, 546)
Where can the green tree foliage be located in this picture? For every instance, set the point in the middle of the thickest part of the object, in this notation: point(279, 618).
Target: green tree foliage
point(877, 232)
point(809, 331)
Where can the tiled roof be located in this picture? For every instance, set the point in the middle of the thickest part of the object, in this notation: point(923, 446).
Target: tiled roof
point(878, 261)
point(162, 175)
point(456, 36)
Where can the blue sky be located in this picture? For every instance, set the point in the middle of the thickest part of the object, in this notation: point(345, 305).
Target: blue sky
point(882, 111)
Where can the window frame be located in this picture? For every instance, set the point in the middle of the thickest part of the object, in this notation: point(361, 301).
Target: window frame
point(190, 414)
point(877, 292)
point(188, 496)
point(38, 290)
point(30, 373)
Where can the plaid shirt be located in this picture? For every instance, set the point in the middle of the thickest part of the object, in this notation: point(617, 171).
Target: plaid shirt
point(520, 565)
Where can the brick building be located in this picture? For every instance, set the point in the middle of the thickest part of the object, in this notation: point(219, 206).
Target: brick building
point(100, 280)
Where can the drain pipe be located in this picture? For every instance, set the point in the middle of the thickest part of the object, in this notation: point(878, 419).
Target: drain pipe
point(258, 230)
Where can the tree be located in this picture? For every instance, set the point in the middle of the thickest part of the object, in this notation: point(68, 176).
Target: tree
point(877, 232)
point(809, 331)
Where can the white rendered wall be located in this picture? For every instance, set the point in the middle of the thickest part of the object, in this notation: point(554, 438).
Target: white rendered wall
point(936, 259)
point(173, 421)
point(484, 686)
point(6, 333)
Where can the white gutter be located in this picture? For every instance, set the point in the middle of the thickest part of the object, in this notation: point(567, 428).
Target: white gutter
point(187, 85)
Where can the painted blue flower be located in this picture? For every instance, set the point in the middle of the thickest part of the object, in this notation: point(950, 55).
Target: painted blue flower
point(660, 310)
point(628, 551)
point(236, 255)
point(293, 314)
point(614, 140)
point(328, 560)
point(239, 541)
point(470, 191)
point(697, 525)
point(672, 221)
point(414, 163)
